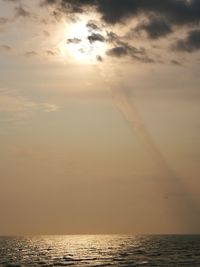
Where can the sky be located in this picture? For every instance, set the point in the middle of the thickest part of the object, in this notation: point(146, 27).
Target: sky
point(99, 117)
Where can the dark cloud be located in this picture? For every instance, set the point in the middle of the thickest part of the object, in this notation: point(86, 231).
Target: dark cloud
point(191, 43)
point(50, 1)
point(155, 27)
point(57, 15)
point(120, 48)
point(115, 11)
point(124, 49)
point(96, 37)
point(73, 41)
point(99, 58)
point(71, 6)
point(113, 38)
point(118, 51)
point(92, 26)
point(177, 11)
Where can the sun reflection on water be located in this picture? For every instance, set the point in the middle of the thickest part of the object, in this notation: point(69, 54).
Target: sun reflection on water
point(100, 250)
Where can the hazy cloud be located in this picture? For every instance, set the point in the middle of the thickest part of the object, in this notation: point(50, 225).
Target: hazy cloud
point(22, 12)
point(5, 48)
point(15, 107)
point(3, 20)
point(14, 1)
point(175, 62)
point(51, 52)
point(49, 107)
point(46, 33)
point(31, 53)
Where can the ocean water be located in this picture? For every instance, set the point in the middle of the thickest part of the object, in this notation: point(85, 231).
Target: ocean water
point(100, 250)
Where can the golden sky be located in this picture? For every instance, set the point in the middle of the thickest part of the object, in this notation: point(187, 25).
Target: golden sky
point(100, 116)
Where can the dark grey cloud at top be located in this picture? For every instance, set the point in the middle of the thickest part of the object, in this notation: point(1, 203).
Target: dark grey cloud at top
point(115, 11)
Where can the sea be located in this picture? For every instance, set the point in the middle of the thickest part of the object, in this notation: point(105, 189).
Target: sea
point(101, 250)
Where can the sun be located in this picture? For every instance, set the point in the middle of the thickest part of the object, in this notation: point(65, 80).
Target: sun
point(79, 45)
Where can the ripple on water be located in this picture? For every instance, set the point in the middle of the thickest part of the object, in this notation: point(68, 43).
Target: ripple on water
point(83, 251)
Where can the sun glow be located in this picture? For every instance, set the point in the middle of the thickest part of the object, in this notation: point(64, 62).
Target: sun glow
point(78, 45)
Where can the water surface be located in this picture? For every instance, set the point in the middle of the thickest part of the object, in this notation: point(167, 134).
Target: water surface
point(98, 250)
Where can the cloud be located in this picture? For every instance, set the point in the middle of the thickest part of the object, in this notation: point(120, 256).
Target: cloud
point(46, 33)
point(15, 107)
point(92, 26)
point(116, 11)
point(156, 18)
point(189, 44)
point(96, 37)
point(155, 27)
point(51, 53)
point(49, 107)
point(118, 51)
point(19, 11)
point(99, 58)
point(14, 1)
point(6, 48)
point(124, 49)
point(31, 53)
point(73, 41)
point(113, 38)
point(22, 12)
point(3, 20)
point(176, 11)
point(175, 62)
point(119, 48)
